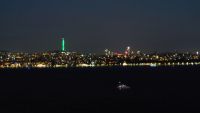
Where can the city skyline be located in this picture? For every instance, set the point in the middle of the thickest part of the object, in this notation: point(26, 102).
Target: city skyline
point(126, 50)
point(92, 26)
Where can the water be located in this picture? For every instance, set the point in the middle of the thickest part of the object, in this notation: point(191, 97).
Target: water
point(86, 90)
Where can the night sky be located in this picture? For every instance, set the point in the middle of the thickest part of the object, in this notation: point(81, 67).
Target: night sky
point(93, 25)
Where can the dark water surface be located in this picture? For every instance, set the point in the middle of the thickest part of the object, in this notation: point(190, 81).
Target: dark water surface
point(93, 90)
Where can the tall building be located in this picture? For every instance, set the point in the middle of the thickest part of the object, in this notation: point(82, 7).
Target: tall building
point(128, 51)
point(63, 44)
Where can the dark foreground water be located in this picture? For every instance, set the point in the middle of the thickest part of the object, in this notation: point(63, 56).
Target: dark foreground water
point(93, 90)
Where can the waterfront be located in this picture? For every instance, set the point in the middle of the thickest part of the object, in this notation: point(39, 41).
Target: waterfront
point(59, 59)
point(160, 89)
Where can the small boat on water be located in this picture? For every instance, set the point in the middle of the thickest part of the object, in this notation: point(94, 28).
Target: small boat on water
point(121, 86)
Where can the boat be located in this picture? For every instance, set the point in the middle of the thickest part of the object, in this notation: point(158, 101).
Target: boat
point(121, 86)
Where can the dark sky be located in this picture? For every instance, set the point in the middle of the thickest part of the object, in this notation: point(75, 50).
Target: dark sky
point(93, 25)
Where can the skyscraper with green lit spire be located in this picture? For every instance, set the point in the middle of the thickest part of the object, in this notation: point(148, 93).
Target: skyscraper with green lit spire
point(63, 44)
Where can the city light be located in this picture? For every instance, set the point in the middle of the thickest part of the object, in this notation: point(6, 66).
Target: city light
point(64, 59)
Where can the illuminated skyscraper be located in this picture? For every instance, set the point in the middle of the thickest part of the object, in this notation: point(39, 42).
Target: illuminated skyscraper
point(63, 44)
point(128, 51)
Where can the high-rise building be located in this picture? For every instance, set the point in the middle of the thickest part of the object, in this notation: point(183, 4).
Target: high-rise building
point(128, 51)
point(63, 44)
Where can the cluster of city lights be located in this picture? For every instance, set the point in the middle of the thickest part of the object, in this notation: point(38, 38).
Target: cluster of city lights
point(65, 59)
